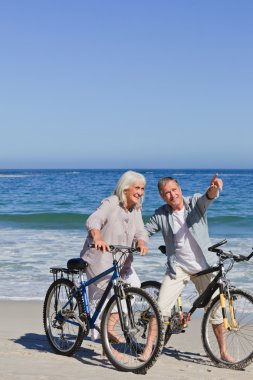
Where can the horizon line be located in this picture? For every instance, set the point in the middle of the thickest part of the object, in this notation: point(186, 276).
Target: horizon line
point(134, 168)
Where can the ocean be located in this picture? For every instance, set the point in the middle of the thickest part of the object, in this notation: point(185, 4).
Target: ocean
point(43, 214)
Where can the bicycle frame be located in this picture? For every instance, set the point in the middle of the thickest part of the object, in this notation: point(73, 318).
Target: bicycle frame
point(82, 288)
point(203, 299)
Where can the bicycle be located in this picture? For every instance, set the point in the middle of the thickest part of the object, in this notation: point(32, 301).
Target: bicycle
point(67, 318)
point(235, 305)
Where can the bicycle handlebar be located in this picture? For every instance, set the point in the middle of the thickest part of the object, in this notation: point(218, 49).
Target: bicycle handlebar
point(245, 258)
point(119, 248)
point(213, 247)
point(220, 252)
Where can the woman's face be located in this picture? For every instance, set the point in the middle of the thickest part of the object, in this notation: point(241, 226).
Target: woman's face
point(133, 194)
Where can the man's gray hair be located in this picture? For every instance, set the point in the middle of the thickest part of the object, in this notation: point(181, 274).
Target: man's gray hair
point(163, 181)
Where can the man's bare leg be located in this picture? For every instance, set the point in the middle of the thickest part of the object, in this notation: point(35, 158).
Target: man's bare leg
point(219, 332)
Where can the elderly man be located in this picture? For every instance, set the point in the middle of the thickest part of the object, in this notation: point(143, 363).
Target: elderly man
point(183, 223)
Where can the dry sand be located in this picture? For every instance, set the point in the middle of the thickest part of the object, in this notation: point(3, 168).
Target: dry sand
point(25, 354)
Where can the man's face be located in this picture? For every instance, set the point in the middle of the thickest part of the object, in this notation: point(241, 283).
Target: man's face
point(172, 194)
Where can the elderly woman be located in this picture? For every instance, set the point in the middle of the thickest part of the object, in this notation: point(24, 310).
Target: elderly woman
point(118, 221)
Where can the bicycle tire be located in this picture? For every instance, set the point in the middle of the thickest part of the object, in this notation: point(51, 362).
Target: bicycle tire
point(137, 308)
point(153, 288)
point(64, 338)
point(239, 340)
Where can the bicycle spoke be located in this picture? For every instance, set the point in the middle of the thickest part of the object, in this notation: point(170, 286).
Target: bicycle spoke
point(61, 325)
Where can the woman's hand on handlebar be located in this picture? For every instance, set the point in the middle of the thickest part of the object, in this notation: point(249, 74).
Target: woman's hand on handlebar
point(101, 245)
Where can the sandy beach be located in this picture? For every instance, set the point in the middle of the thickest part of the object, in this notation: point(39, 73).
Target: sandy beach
point(25, 353)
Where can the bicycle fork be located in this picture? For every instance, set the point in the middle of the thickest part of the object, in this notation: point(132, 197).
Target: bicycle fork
point(233, 324)
point(123, 316)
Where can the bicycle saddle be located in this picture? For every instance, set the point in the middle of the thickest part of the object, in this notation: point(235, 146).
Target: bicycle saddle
point(77, 264)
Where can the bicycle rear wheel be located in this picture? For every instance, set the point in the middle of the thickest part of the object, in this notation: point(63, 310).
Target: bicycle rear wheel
point(239, 338)
point(62, 328)
point(131, 333)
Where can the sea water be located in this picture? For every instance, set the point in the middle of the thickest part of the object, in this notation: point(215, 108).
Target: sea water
point(43, 214)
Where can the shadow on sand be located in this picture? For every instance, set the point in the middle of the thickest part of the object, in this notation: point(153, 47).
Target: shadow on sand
point(191, 357)
point(86, 355)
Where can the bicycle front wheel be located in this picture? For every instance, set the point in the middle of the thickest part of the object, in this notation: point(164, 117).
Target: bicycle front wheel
point(125, 331)
point(238, 337)
point(62, 323)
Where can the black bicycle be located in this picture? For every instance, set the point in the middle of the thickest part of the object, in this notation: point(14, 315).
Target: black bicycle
point(125, 320)
point(234, 305)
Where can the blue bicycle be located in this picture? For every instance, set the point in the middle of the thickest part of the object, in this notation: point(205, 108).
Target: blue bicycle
point(125, 319)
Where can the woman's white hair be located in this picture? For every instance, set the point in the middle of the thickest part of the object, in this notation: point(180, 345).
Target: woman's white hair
point(127, 179)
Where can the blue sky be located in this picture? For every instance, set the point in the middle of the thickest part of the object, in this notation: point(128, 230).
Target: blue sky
point(126, 84)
